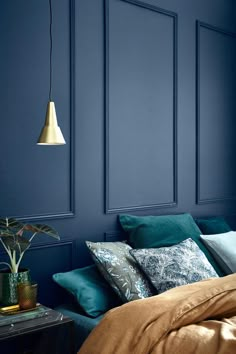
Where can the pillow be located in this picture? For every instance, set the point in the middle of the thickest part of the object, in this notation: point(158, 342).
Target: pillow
point(223, 248)
point(91, 291)
point(166, 230)
point(120, 269)
point(210, 226)
point(168, 267)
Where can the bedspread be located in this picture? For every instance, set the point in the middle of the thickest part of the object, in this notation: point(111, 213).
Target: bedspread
point(198, 318)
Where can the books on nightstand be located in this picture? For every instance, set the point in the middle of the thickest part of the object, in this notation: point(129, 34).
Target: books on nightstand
point(19, 322)
point(12, 314)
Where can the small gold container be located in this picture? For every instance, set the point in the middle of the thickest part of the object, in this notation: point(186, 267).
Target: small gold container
point(27, 295)
point(12, 308)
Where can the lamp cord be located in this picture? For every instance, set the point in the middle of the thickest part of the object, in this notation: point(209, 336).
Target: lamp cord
point(50, 85)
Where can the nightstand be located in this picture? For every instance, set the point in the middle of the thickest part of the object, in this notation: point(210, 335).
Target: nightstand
point(51, 333)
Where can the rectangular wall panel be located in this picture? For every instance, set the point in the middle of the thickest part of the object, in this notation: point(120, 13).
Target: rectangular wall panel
point(36, 181)
point(216, 112)
point(141, 95)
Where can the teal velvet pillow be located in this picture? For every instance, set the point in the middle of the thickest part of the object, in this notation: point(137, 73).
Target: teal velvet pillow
point(89, 288)
point(162, 231)
point(158, 231)
point(214, 226)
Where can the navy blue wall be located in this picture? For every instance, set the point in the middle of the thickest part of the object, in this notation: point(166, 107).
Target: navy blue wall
point(145, 97)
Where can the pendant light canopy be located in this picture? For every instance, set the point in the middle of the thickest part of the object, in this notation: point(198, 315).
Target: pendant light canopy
point(51, 133)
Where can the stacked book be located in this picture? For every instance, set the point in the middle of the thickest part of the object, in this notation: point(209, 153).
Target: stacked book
point(16, 321)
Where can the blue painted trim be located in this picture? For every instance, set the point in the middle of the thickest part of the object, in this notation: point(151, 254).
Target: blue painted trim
point(108, 209)
point(72, 108)
point(200, 24)
point(42, 246)
point(71, 212)
point(151, 7)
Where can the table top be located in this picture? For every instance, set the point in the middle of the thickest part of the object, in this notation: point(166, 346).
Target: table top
point(16, 325)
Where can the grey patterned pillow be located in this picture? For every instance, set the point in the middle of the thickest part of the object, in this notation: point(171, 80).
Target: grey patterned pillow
point(120, 269)
point(168, 267)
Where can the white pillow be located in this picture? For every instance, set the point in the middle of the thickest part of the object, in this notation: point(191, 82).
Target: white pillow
point(223, 248)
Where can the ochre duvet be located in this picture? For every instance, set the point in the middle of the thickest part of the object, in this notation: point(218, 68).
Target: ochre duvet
point(199, 318)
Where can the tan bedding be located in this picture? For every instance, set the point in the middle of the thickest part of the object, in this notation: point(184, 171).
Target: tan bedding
point(199, 318)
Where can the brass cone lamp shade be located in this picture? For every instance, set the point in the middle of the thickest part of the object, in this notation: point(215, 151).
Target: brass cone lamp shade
point(51, 133)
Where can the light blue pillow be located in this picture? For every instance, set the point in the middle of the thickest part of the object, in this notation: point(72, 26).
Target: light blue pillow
point(223, 249)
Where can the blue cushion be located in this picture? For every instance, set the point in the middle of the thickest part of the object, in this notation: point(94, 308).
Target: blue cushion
point(89, 288)
point(216, 225)
point(164, 230)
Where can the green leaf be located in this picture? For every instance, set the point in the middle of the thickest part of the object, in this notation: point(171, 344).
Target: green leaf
point(13, 241)
point(6, 233)
point(41, 228)
point(10, 223)
point(16, 243)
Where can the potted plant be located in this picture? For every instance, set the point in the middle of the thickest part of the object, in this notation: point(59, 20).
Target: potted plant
point(16, 238)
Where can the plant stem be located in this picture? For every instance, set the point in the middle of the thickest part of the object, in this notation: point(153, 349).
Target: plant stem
point(6, 249)
point(11, 256)
point(14, 256)
point(19, 260)
point(13, 262)
point(31, 238)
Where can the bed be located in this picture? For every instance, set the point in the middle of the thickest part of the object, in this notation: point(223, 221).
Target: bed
point(170, 284)
point(196, 318)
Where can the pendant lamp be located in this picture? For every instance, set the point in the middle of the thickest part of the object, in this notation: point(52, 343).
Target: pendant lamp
point(51, 133)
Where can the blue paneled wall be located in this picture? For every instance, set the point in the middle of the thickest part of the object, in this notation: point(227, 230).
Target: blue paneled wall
point(145, 97)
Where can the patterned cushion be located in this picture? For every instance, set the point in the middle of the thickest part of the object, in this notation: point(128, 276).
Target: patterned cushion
point(168, 267)
point(120, 269)
point(163, 231)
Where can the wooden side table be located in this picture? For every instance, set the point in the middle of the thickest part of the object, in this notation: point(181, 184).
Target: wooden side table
point(51, 333)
